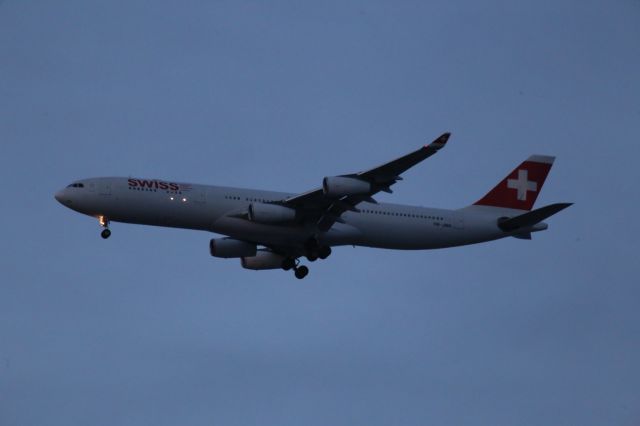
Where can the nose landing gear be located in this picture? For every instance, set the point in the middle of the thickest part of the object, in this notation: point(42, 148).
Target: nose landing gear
point(104, 222)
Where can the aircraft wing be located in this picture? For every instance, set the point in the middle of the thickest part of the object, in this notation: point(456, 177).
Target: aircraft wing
point(327, 209)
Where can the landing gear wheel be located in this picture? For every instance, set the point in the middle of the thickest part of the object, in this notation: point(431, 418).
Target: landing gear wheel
point(106, 233)
point(301, 272)
point(324, 252)
point(288, 263)
point(312, 256)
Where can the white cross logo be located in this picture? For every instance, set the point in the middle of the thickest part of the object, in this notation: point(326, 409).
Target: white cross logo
point(522, 184)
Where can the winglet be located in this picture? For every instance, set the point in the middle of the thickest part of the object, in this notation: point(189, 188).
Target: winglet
point(440, 142)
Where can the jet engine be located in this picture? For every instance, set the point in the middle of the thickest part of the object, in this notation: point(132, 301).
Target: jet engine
point(228, 247)
point(270, 213)
point(264, 259)
point(339, 186)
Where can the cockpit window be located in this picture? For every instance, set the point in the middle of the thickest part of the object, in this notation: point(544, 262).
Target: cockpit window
point(76, 185)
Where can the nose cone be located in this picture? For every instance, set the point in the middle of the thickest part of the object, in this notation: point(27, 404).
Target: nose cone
point(63, 197)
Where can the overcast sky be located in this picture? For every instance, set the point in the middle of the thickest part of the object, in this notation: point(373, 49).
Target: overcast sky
point(147, 328)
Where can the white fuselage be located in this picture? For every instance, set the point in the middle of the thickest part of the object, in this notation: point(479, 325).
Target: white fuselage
point(220, 209)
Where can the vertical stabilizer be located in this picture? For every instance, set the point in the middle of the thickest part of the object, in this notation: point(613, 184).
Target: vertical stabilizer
point(521, 187)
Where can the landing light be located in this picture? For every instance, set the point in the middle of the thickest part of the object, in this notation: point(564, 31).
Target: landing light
point(184, 200)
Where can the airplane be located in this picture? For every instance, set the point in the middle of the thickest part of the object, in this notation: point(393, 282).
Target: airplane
point(274, 230)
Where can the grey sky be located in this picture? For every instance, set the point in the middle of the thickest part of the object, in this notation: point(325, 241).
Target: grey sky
point(147, 328)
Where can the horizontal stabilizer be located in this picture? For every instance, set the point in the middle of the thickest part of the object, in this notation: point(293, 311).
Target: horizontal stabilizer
point(532, 217)
point(523, 236)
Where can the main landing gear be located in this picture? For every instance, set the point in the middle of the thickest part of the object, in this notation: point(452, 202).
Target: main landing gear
point(318, 253)
point(104, 222)
point(313, 254)
point(315, 251)
point(300, 271)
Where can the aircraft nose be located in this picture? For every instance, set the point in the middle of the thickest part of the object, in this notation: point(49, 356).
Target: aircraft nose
point(60, 196)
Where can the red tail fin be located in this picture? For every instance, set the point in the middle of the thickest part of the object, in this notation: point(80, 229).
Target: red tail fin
point(520, 189)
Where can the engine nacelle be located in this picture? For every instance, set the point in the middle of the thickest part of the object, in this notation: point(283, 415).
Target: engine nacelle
point(264, 259)
point(228, 247)
point(339, 186)
point(270, 213)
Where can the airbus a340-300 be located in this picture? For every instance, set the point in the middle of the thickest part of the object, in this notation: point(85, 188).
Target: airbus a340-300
point(274, 230)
